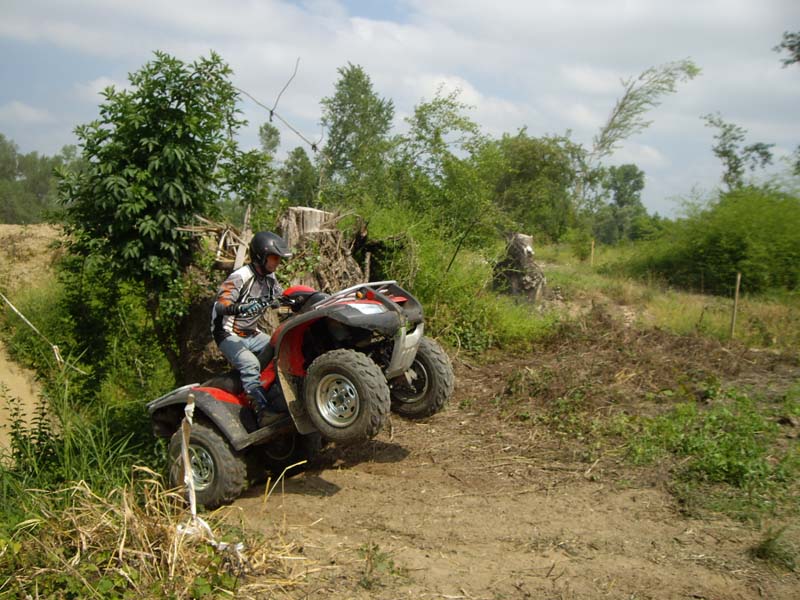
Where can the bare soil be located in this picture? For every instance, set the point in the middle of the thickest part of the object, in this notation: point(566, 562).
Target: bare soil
point(485, 500)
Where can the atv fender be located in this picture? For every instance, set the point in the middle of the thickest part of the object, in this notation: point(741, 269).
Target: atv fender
point(226, 411)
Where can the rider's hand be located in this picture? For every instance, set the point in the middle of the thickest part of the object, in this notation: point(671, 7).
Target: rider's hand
point(250, 309)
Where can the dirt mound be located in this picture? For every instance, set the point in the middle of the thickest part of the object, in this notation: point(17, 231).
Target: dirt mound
point(485, 501)
point(599, 363)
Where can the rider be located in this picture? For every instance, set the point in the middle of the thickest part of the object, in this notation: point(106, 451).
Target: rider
point(241, 301)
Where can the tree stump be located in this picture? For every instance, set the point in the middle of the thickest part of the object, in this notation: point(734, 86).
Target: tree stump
point(517, 274)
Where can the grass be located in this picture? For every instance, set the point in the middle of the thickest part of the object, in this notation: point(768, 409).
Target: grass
point(129, 544)
point(770, 321)
point(727, 456)
point(776, 550)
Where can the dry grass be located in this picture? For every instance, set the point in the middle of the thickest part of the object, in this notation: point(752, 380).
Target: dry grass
point(133, 543)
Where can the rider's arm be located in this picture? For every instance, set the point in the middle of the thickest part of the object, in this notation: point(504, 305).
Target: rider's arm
point(228, 294)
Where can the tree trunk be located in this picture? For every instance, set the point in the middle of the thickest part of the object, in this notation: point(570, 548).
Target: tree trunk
point(517, 274)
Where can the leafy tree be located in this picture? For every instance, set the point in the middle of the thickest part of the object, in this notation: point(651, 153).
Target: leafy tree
point(441, 168)
point(270, 138)
point(358, 123)
point(624, 217)
point(297, 179)
point(28, 184)
point(8, 158)
point(735, 157)
point(159, 153)
point(791, 43)
point(537, 183)
point(748, 230)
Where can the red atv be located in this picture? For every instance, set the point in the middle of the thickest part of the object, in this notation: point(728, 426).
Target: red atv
point(340, 362)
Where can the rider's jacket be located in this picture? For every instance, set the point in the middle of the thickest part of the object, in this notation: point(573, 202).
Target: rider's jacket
point(241, 286)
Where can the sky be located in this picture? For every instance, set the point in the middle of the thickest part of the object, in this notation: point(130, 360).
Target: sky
point(551, 66)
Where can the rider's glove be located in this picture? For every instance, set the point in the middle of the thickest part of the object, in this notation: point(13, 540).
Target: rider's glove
point(250, 309)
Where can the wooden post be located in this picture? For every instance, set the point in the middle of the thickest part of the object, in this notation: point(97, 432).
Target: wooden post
point(367, 260)
point(241, 251)
point(591, 261)
point(735, 303)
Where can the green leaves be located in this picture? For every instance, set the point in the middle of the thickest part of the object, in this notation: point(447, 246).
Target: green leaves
point(153, 161)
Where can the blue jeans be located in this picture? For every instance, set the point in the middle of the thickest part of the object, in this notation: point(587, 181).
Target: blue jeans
point(242, 353)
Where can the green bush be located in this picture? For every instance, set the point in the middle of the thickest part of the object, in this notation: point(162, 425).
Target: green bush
point(454, 284)
point(752, 231)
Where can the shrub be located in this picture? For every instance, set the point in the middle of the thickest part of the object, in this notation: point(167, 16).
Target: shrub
point(751, 230)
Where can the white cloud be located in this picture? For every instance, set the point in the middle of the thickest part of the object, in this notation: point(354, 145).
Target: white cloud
point(642, 155)
point(19, 112)
point(585, 78)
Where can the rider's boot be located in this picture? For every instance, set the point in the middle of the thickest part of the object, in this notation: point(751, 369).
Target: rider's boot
point(258, 402)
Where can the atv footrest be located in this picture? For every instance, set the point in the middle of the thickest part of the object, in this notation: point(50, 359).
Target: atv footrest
point(264, 434)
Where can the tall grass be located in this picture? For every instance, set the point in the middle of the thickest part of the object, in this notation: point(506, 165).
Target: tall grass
point(129, 543)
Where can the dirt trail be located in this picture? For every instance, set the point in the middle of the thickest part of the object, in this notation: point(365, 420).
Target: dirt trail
point(470, 505)
point(25, 259)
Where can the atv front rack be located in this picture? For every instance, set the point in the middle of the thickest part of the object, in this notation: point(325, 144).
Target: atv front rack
point(411, 329)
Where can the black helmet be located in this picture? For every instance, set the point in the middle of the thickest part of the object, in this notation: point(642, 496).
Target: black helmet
point(265, 243)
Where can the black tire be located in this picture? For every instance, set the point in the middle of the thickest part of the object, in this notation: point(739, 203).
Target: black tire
point(290, 450)
point(426, 387)
point(220, 473)
point(346, 396)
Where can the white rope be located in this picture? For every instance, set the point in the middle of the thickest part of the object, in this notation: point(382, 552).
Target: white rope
point(59, 360)
point(197, 526)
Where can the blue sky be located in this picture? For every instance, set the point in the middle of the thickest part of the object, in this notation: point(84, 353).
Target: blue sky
point(549, 65)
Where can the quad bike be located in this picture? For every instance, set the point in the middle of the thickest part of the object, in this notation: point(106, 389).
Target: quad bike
point(340, 363)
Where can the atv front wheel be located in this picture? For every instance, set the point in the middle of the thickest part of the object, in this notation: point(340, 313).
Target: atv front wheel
point(426, 386)
point(346, 396)
point(219, 473)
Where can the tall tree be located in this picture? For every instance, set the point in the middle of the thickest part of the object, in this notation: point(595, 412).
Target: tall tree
point(791, 44)
point(734, 156)
point(358, 123)
point(297, 179)
point(439, 167)
point(622, 218)
point(160, 153)
point(537, 184)
point(270, 138)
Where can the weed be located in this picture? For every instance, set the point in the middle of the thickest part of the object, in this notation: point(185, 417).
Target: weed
point(776, 550)
point(128, 544)
point(377, 565)
point(731, 444)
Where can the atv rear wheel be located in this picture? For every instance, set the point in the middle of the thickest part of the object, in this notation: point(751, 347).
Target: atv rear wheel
point(282, 453)
point(219, 473)
point(426, 386)
point(346, 396)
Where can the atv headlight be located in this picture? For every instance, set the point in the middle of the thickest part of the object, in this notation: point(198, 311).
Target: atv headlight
point(368, 309)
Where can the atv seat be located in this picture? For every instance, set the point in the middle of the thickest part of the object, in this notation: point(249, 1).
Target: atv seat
point(231, 382)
